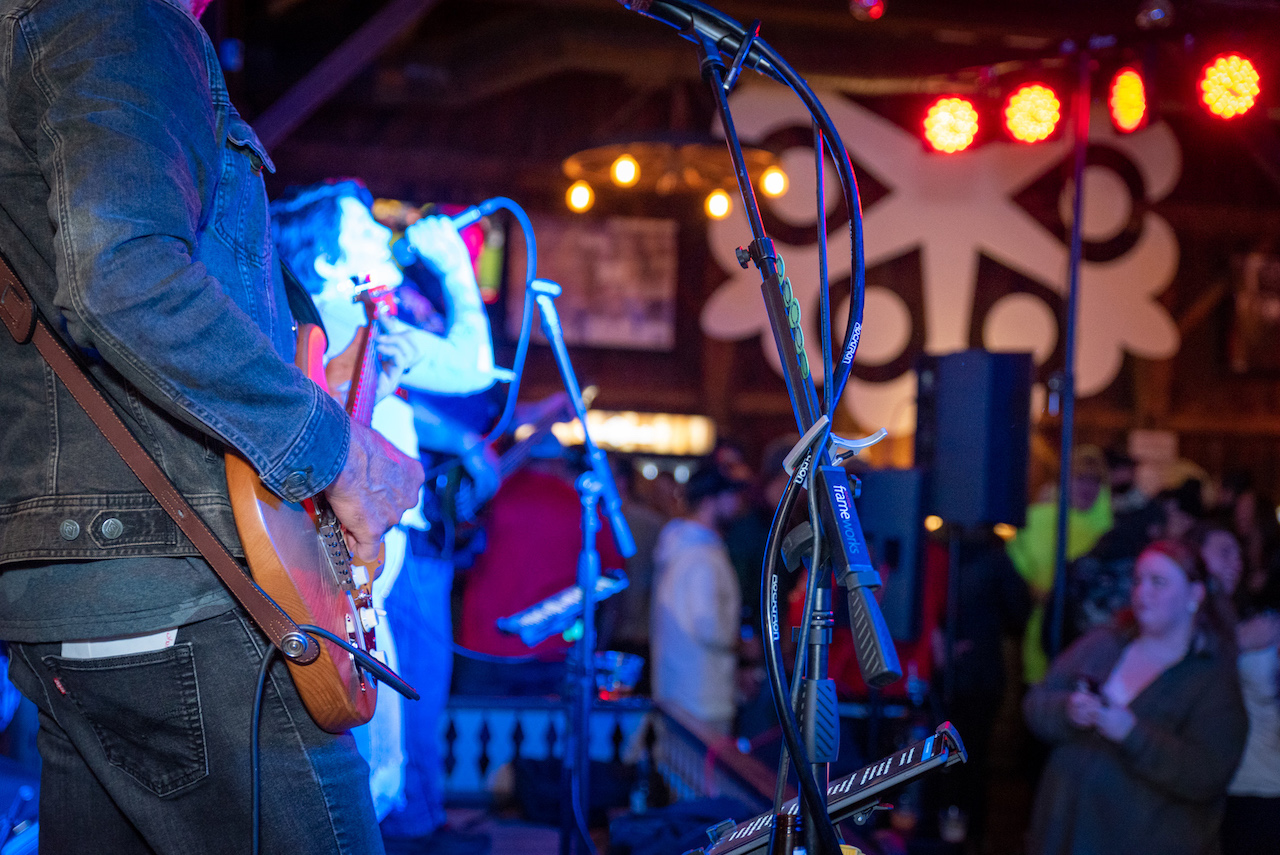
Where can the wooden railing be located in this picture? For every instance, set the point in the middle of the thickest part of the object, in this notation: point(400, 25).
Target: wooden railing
point(481, 734)
point(696, 762)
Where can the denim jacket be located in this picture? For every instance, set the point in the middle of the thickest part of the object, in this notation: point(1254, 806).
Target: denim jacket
point(132, 207)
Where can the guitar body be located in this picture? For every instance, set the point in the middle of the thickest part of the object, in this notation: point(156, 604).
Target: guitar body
point(296, 562)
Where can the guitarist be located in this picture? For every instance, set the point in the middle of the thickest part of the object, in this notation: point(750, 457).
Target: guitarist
point(132, 207)
point(326, 234)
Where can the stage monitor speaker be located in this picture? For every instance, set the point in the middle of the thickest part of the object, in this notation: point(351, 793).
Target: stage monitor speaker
point(892, 517)
point(973, 416)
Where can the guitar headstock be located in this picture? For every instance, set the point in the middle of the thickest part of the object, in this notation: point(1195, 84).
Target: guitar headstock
point(379, 301)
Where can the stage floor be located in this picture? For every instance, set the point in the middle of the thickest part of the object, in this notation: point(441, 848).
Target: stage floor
point(507, 835)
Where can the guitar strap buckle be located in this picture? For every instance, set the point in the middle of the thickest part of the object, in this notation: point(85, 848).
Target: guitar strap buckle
point(16, 308)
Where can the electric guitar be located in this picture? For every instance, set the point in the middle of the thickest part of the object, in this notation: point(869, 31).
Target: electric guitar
point(297, 554)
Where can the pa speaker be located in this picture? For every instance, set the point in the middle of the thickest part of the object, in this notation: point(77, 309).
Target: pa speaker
point(973, 415)
point(890, 510)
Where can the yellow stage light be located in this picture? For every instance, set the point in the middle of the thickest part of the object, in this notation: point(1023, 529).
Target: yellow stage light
point(1229, 85)
point(580, 197)
point(951, 125)
point(1128, 100)
point(718, 205)
point(774, 181)
point(625, 171)
point(1032, 113)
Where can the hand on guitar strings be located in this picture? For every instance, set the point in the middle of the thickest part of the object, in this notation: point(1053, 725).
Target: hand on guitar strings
point(377, 484)
point(400, 347)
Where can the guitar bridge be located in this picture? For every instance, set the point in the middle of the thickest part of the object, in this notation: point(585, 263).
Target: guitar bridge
point(336, 551)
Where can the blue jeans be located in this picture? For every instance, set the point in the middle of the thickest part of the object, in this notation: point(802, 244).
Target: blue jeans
point(418, 609)
point(149, 752)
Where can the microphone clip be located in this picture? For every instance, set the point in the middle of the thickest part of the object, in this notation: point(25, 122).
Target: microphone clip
point(849, 557)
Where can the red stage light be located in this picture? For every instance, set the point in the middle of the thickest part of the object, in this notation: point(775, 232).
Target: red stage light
point(1032, 113)
point(866, 10)
point(1229, 85)
point(1128, 100)
point(951, 124)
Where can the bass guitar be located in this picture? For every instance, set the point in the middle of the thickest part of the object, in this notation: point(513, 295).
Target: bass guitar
point(297, 554)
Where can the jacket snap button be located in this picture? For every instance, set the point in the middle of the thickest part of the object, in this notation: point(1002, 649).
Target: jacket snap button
point(112, 528)
point(69, 529)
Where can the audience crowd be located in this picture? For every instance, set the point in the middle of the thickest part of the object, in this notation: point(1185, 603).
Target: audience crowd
point(1139, 695)
point(1149, 675)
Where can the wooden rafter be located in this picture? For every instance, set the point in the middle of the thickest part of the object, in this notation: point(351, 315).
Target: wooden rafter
point(339, 68)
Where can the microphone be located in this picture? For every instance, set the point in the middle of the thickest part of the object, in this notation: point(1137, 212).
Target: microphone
point(466, 217)
point(403, 250)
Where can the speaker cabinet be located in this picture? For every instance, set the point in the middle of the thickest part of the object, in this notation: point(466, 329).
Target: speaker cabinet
point(890, 510)
point(973, 415)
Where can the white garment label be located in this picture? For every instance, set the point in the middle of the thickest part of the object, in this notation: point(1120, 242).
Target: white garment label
point(103, 647)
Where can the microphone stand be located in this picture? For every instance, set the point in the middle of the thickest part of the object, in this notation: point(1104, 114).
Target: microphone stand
point(833, 517)
point(545, 291)
point(813, 692)
point(1057, 612)
point(783, 313)
point(593, 486)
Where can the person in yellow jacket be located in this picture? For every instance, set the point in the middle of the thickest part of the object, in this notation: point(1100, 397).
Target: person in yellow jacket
point(1032, 549)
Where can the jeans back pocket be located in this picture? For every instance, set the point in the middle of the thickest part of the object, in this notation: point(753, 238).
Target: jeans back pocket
point(145, 710)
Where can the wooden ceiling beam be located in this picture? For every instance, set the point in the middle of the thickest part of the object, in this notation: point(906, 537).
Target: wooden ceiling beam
point(339, 68)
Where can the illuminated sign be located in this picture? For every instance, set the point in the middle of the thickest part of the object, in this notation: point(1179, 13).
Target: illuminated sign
point(639, 433)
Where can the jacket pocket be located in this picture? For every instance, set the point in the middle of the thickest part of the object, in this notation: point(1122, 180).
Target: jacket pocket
point(145, 710)
point(241, 203)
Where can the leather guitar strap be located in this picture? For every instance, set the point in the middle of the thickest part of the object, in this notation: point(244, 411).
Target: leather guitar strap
point(22, 317)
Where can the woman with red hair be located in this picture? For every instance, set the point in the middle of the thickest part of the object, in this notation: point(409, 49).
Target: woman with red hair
point(1145, 719)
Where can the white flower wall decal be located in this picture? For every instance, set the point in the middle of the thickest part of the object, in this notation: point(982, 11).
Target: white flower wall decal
point(954, 209)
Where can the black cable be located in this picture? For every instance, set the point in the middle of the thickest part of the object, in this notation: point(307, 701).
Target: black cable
point(764, 59)
point(575, 796)
point(363, 659)
point(802, 648)
point(858, 272)
point(492, 657)
point(366, 661)
point(526, 320)
point(773, 666)
point(824, 287)
point(270, 654)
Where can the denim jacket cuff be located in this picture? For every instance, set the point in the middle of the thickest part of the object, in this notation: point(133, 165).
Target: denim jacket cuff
point(318, 454)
